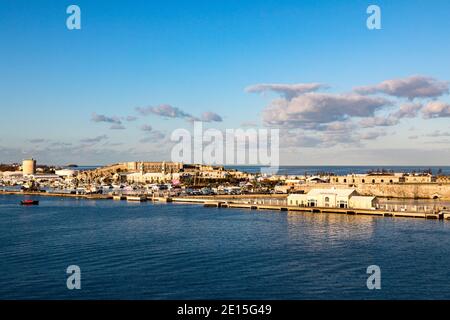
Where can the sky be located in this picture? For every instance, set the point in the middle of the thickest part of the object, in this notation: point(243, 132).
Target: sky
point(115, 90)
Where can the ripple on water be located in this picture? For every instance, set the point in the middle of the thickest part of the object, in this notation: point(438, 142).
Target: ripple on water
point(173, 251)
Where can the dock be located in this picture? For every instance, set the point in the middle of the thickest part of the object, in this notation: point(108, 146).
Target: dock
point(59, 194)
point(327, 210)
point(136, 198)
point(221, 202)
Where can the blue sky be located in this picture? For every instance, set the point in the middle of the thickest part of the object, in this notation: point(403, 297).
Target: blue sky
point(200, 56)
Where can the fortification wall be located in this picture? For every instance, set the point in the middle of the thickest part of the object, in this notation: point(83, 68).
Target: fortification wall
point(401, 190)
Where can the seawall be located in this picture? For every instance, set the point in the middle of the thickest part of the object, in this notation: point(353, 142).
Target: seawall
point(395, 190)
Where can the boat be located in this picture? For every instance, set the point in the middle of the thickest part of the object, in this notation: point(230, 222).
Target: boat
point(29, 202)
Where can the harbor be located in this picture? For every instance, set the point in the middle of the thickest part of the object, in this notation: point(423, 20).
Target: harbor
point(160, 250)
point(257, 202)
point(381, 193)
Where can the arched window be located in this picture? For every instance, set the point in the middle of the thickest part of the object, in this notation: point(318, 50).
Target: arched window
point(373, 180)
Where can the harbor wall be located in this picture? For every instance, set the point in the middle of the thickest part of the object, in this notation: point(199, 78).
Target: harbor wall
point(400, 190)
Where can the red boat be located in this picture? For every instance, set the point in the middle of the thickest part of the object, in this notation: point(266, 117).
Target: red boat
point(29, 202)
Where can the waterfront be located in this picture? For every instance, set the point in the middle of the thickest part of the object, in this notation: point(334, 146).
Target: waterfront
point(175, 251)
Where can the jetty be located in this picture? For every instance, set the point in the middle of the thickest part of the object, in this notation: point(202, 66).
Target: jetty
point(208, 202)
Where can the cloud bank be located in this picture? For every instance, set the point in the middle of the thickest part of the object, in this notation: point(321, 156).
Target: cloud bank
point(412, 87)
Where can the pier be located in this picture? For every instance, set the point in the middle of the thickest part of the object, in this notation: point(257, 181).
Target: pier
point(277, 207)
point(252, 203)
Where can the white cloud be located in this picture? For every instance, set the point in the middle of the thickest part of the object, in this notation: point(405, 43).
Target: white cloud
point(102, 118)
point(412, 87)
point(165, 111)
point(117, 127)
point(95, 139)
point(210, 117)
point(436, 109)
point(288, 91)
point(372, 135)
point(378, 122)
point(146, 128)
point(408, 110)
point(311, 109)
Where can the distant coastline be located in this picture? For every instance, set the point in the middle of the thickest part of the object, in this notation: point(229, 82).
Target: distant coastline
point(311, 169)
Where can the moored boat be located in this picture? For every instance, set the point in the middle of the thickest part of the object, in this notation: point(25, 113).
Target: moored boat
point(29, 202)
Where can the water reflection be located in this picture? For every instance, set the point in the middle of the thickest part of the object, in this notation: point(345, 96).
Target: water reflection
point(320, 230)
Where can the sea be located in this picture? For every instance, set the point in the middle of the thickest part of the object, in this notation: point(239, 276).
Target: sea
point(344, 170)
point(185, 251)
point(337, 170)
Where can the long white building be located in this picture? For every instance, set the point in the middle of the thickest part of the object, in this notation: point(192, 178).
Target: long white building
point(333, 198)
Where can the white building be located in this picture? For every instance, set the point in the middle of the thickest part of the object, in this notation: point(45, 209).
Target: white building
point(152, 177)
point(333, 198)
point(66, 172)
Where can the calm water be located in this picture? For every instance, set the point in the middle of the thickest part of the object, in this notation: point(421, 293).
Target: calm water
point(172, 251)
point(338, 170)
point(342, 170)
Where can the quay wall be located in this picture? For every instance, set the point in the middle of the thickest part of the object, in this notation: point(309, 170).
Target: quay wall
point(395, 190)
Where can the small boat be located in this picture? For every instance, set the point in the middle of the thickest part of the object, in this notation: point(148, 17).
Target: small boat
point(29, 202)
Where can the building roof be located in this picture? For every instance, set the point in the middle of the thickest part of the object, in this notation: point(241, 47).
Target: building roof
point(338, 192)
point(363, 197)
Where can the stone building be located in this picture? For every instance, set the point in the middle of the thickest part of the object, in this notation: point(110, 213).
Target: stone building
point(371, 178)
point(333, 198)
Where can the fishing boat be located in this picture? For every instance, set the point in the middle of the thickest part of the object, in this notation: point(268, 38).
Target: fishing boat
point(29, 202)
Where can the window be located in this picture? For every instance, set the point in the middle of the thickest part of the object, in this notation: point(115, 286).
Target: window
point(373, 180)
point(327, 199)
point(363, 181)
point(345, 180)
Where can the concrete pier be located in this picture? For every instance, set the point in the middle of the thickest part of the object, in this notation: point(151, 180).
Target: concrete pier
point(275, 207)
